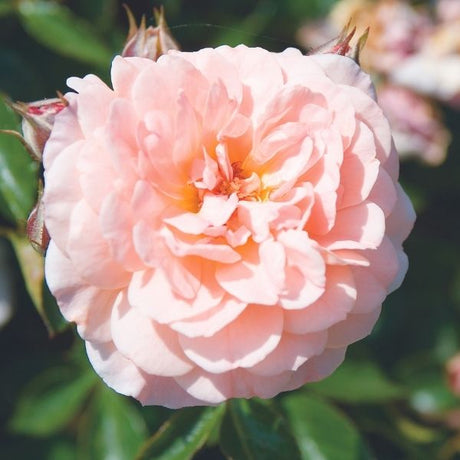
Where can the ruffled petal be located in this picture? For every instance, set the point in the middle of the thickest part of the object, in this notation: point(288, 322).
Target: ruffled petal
point(211, 321)
point(90, 253)
point(243, 343)
point(117, 371)
point(292, 351)
point(333, 306)
point(62, 194)
point(87, 305)
point(150, 346)
point(357, 227)
point(353, 328)
point(151, 292)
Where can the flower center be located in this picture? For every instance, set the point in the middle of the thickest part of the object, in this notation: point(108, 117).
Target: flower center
point(245, 185)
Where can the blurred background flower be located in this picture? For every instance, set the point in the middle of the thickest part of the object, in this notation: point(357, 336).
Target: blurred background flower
point(390, 399)
point(412, 52)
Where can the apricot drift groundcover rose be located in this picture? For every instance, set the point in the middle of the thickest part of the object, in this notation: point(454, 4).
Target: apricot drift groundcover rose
point(223, 223)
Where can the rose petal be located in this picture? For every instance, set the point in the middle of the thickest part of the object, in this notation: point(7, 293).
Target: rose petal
point(150, 346)
point(243, 343)
point(352, 329)
point(150, 291)
point(211, 321)
point(317, 368)
point(357, 227)
point(62, 196)
point(248, 280)
point(88, 306)
point(333, 306)
point(90, 253)
point(117, 372)
point(292, 351)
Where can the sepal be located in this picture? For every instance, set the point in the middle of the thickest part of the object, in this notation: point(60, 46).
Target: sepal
point(148, 42)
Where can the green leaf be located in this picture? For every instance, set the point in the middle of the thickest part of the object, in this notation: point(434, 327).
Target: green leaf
point(252, 430)
point(358, 382)
point(103, 13)
point(54, 322)
point(429, 390)
point(112, 429)
point(322, 432)
point(32, 268)
point(248, 29)
point(18, 172)
point(61, 449)
point(6, 7)
point(50, 401)
point(183, 434)
point(56, 27)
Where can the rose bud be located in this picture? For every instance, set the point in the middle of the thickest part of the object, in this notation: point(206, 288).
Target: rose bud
point(36, 230)
point(37, 122)
point(342, 44)
point(149, 42)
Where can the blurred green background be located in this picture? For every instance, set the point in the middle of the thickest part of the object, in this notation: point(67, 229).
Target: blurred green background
point(390, 400)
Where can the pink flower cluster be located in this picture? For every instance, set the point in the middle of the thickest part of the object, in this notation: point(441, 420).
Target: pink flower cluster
point(223, 223)
point(414, 56)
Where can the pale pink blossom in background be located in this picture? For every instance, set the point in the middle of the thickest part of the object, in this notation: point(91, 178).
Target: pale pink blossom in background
point(437, 76)
point(448, 10)
point(410, 47)
point(223, 223)
point(415, 124)
point(396, 30)
point(435, 69)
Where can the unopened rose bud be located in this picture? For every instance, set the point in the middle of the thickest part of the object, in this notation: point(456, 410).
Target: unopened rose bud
point(342, 44)
point(37, 122)
point(150, 42)
point(36, 230)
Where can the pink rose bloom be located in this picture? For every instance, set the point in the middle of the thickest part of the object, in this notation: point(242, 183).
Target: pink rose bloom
point(415, 123)
point(223, 223)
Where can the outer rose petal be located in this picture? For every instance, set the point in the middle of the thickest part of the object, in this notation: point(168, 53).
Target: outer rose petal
point(66, 131)
point(353, 328)
point(117, 371)
point(337, 301)
point(124, 73)
point(350, 73)
point(135, 335)
point(216, 388)
point(77, 299)
point(292, 351)
point(317, 368)
point(165, 391)
point(91, 257)
point(223, 223)
point(243, 343)
point(61, 199)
